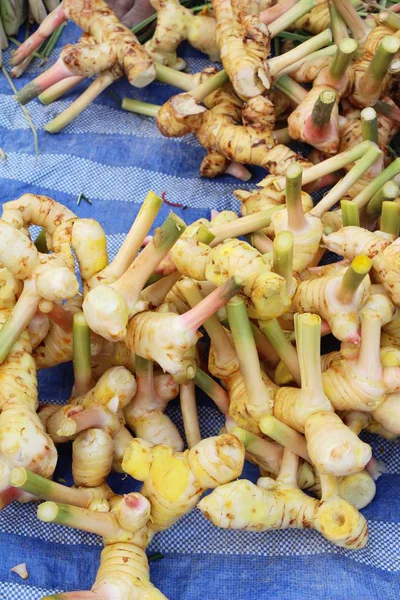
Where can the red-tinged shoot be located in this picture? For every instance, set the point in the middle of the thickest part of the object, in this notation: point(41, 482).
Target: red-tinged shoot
point(167, 338)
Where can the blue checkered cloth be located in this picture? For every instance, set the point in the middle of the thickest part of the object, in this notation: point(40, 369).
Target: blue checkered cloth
point(114, 158)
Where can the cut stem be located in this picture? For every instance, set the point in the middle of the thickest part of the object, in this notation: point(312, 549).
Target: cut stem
point(291, 88)
point(57, 314)
point(270, 14)
point(282, 257)
point(247, 354)
point(215, 330)
point(155, 293)
point(390, 219)
point(369, 125)
point(329, 165)
point(286, 352)
point(196, 316)
point(44, 81)
point(322, 109)
point(389, 191)
point(294, 206)
point(59, 89)
point(285, 435)
point(308, 341)
point(368, 192)
point(352, 19)
point(140, 108)
point(179, 79)
point(209, 86)
point(45, 489)
point(243, 225)
point(79, 518)
point(23, 312)
point(387, 110)
point(133, 241)
point(81, 355)
point(390, 19)
point(210, 387)
point(328, 51)
point(370, 83)
point(343, 57)
point(369, 363)
point(352, 279)
point(189, 413)
point(259, 240)
point(103, 81)
point(269, 454)
point(350, 214)
point(132, 282)
point(338, 26)
point(290, 16)
point(279, 63)
point(340, 189)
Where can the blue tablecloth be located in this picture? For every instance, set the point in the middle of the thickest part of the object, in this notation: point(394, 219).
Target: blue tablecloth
point(114, 158)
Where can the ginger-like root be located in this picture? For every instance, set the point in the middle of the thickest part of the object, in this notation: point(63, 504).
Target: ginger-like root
point(337, 299)
point(386, 264)
point(176, 23)
point(174, 482)
point(115, 47)
point(280, 504)
point(23, 439)
point(167, 338)
point(92, 457)
point(145, 413)
point(358, 384)
point(48, 276)
point(265, 290)
point(351, 241)
point(124, 571)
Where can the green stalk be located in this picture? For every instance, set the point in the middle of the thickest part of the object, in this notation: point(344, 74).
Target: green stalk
point(278, 63)
point(210, 387)
point(243, 338)
point(243, 225)
point(81, 355)
point(282, 346)
point(308, 342)
point(389, 191)
point(350, 214)
point(46, 489)
point(352, 19)
point(296, 37)
point(390, 19)
point(330, 165)
point(291, 88)
point(285, 435)
point(343, 57)
point(52, 41)
point(368, 192)
point(283, 257)
point(209, 86)
point(371, 81)
point(292, 68)
point(98, 85)
point(131, 283)
point(36, 53)
point(133, 241)
point(369, 125)
point(340, 189)
point(79, 518)
point(290, 16)
point(390, 220)
point(179, 79)
point(40, 242)
point(140, 108)
point(338, 26)
point(294, 206)
point(216, 332)
point(352, 279)
point(58, 90)
point(322, 109)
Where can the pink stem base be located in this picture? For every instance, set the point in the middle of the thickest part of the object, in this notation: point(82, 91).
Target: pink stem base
point(270, 14)
point(56, 73)
point(8, 496)
point(50, 24)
